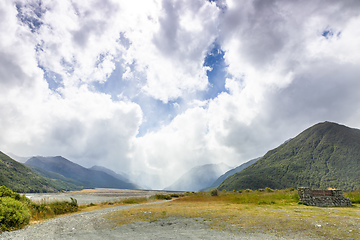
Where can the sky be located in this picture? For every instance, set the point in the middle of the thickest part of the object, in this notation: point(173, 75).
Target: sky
point(153, 88)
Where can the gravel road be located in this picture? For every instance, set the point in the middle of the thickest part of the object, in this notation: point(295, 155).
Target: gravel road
point(92, 225)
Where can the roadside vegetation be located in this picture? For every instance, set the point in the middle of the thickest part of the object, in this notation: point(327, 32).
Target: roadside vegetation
point(16, 211)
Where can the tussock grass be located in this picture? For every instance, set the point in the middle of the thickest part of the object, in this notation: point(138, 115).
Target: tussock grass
point(277, 212)
point(44, 210)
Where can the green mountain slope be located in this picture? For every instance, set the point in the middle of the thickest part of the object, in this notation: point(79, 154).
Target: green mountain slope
point(58, 180)
point(325, 155)
point(229, 173)
point(19, 178)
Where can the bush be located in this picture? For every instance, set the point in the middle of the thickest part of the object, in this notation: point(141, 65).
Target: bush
point(13, 214)
point(248, 190)
point(62, 207)
point(214, 192)
point(161, 196)
point(6, 192)
point(267, 189)
point(175, 195)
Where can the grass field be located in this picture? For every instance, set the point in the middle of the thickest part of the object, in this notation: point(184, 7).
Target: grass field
point(277, 212)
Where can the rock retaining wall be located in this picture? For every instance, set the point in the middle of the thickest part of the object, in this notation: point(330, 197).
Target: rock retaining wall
point(323, 198)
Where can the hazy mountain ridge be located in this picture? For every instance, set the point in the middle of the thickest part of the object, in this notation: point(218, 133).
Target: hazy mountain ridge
point(199, 177)
point(324, 155)
point(87, 177)
point(110, 172)
point(120, 176)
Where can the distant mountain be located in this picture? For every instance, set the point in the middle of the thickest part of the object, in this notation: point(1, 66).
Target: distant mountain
point(120, 176)
point(19, 178)
point(17, 158)
point(87, 177)
point(199, 177)
point(325, 155)
point(229, 173)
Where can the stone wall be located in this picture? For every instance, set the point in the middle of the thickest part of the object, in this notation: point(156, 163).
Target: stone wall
point(323, 198)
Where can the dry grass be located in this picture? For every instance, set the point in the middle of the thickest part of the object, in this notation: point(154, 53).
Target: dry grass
point(276, 212)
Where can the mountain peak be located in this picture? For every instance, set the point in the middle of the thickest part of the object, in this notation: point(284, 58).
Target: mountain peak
point(324, 155)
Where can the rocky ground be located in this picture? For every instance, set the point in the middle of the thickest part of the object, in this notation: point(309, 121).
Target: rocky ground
point(93, 225)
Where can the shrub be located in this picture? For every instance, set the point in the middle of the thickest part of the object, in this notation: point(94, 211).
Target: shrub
point(267, 189)
point(266, 202)
point(162, 196)
point(6, 192)
point(13, 214)
point(261, 190)
point(248, 190)
point(175, 195)
point(214, 192)
point(61, 207)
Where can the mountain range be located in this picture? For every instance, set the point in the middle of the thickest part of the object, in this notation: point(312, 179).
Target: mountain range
point(324, 155)
point(86, 177)
point(19, 178)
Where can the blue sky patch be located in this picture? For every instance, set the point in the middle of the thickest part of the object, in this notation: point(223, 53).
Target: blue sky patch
point(217, 74)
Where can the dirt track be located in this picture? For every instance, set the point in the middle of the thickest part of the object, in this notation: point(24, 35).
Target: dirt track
point(92, 225)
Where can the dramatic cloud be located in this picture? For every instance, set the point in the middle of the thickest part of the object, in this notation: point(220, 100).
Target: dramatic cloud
point(154, 88)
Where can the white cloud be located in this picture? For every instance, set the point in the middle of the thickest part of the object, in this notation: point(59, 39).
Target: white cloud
point(289, 65)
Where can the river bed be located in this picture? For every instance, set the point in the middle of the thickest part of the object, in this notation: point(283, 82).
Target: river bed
point(99, 195)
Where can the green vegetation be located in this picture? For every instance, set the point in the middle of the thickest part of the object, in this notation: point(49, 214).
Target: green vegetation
point(16, 210)
point(325, 155)
point(13, 214)
point(45, 210)
point(57, 180)
point(353, 196)
point(214, 192)
point(19, 178)
point(162, 197)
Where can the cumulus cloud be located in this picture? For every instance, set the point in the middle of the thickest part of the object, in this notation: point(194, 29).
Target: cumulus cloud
point(82, 78)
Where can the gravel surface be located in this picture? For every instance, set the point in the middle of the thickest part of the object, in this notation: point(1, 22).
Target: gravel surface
point(92, 225)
